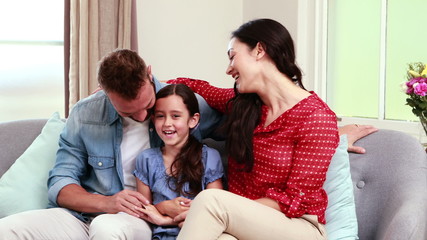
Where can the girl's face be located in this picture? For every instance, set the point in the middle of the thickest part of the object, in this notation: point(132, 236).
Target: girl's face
point(243, 66)
point(173, 121)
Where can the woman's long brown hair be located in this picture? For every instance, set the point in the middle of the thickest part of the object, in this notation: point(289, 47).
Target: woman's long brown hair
point(245, 112)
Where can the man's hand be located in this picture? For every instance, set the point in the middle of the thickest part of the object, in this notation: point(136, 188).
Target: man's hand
point(76, 198)
point(355, 132)
point(127, 201)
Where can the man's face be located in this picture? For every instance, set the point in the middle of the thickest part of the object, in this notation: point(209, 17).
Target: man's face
point(137, 109)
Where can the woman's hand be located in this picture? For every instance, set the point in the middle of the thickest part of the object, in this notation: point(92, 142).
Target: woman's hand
point(355, 132)
point(174, 207)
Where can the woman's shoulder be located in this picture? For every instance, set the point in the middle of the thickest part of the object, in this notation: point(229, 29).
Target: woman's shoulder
point(315, 103)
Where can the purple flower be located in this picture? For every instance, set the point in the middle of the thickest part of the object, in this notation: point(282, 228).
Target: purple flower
point(411, 82)
point(420, 88)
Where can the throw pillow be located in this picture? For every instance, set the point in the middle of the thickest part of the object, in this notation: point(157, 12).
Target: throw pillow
point(24, 186)
point(341, 220)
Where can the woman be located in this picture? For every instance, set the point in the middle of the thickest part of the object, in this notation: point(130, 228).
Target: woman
point(280, 139)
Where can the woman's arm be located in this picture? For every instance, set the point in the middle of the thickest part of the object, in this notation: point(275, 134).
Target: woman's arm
point(216, 97)
point(316, 140)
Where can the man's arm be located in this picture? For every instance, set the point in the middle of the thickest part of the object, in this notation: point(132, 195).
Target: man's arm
point(84, 159)
point(355, 132)
point(77, 198)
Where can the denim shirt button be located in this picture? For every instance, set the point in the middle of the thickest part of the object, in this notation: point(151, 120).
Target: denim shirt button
point(100, 164)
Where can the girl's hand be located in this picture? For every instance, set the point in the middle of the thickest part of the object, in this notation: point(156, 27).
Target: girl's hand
point(174, 207)
point(180, 219)
point(151, 214)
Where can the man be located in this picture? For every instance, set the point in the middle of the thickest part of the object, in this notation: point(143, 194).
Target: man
point(92, 187)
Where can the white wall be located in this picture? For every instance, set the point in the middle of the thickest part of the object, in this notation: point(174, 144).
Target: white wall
point(189, 38)
point(299, 18)
point(283, 11)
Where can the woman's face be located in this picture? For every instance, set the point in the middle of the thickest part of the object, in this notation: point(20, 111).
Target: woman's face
point(243, 65)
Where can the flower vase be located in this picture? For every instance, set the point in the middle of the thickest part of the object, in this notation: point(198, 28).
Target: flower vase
point(423, 121)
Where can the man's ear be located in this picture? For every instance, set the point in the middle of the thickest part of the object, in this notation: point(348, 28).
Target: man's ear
point(150, 75)
point(194, 120)
point(99, 88)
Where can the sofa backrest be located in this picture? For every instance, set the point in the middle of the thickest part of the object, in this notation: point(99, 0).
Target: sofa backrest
point(15, 138)
point(390, 186)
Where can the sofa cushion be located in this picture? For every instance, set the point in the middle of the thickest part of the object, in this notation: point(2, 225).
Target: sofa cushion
point(24, 186)
point(15, 138)
point(341, 220)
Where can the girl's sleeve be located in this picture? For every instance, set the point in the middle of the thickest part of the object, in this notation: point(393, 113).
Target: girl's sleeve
point(213, 165)
point(142, 166)
point(316, 142)
point(216, 97)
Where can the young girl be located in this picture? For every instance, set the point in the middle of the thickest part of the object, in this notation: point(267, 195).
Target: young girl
point(174, 174)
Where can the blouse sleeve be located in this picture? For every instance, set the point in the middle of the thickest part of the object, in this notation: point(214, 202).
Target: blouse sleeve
point(316, 142)
point(216, 97)
point(213, 165)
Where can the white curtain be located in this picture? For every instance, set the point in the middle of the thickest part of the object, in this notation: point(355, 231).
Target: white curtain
point(96, 28)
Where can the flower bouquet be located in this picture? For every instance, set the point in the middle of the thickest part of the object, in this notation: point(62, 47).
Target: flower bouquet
point(416, 89)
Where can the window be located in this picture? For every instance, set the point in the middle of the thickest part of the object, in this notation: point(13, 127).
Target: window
point(370, 43)
point(31, 62)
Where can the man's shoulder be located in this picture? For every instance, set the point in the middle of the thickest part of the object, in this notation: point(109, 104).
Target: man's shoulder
point(96, 108)
point(95, 97)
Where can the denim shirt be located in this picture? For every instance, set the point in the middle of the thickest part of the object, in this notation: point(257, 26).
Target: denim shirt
point(89, 147)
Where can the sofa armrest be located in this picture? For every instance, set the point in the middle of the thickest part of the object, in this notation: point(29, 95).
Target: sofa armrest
point(390, 182)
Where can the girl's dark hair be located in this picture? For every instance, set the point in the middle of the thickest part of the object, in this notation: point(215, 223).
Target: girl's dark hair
point(246, 108)
point(187, 166)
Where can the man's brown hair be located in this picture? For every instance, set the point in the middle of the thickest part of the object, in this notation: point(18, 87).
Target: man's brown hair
point(124, 72)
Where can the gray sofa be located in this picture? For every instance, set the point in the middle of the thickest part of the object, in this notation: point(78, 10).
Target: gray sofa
point(390, 180)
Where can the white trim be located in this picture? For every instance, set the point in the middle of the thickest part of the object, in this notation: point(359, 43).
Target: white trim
point(382, 73)
point(301, 42)
point(321, 48)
